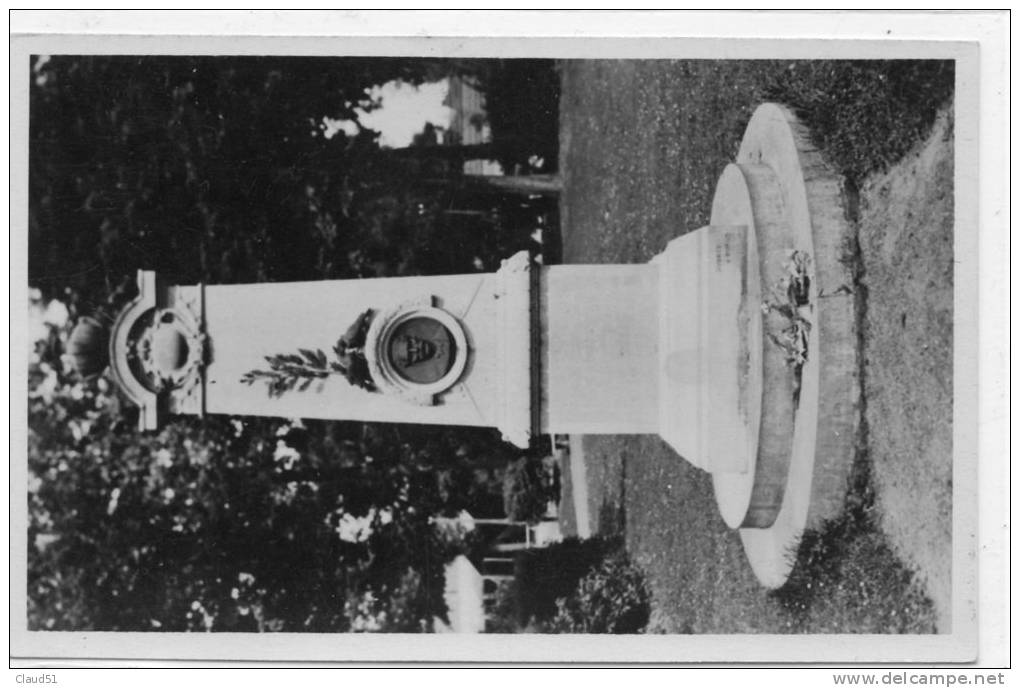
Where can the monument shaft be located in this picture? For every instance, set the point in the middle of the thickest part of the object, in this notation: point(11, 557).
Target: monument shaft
point(557, 349)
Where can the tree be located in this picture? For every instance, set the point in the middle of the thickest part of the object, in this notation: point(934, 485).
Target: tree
point(209, 168)
point(522, 100)
point(217, 169)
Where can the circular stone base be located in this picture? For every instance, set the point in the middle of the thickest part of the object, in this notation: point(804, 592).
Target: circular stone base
point(754, 499)
point(796, 207)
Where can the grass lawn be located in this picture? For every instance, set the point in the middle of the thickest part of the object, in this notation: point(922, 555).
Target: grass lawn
point(642, 145)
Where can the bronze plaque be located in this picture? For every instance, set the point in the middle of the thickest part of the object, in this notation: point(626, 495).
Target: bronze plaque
point(422, 350)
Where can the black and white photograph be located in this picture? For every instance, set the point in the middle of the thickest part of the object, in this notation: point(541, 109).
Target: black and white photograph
point(329, 338)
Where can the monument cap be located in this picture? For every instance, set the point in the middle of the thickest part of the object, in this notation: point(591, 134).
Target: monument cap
point(88, 347)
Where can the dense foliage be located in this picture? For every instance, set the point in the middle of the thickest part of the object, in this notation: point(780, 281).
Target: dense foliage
point(530, 123)
point(612, 598)
point(530, 484)
point(865, 114)
point(219, 170)
point(574, 586)
point(542, 576)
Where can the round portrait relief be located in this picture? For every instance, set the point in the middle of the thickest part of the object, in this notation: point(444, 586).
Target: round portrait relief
point(416, 351)
point(422, 350)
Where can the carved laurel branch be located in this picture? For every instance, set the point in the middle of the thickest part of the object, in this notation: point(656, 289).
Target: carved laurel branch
point(294, 371)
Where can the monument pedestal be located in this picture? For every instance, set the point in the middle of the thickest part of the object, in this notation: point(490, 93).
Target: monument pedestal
point(722, 345)
point(658, 348)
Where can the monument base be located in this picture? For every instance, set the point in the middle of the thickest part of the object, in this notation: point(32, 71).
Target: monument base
point(798, 239)
point(740, 338)
point(826, 405)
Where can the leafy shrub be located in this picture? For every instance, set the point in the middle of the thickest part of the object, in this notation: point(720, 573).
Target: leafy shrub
point(575, 586)
point(529, 485)
point(387, 609)
point(866, 114)
point(501, 616)
point(610, 599)
point(544, 575)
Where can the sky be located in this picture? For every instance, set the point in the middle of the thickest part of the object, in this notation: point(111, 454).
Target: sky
point(403, 113)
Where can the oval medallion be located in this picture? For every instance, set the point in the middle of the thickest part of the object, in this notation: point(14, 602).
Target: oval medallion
point(422, 350)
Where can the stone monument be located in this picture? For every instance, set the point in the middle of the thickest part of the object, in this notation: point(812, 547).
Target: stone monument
point(735, 345)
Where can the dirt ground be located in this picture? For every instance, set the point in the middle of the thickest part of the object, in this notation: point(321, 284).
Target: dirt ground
point(642, 144)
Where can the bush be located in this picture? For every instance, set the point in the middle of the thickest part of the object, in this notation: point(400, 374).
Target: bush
point(529, 484)
point(865, 114)
point(610, 599)
point(502, 617)
point(392, 609)
point(574, 586)
point(544, 575)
